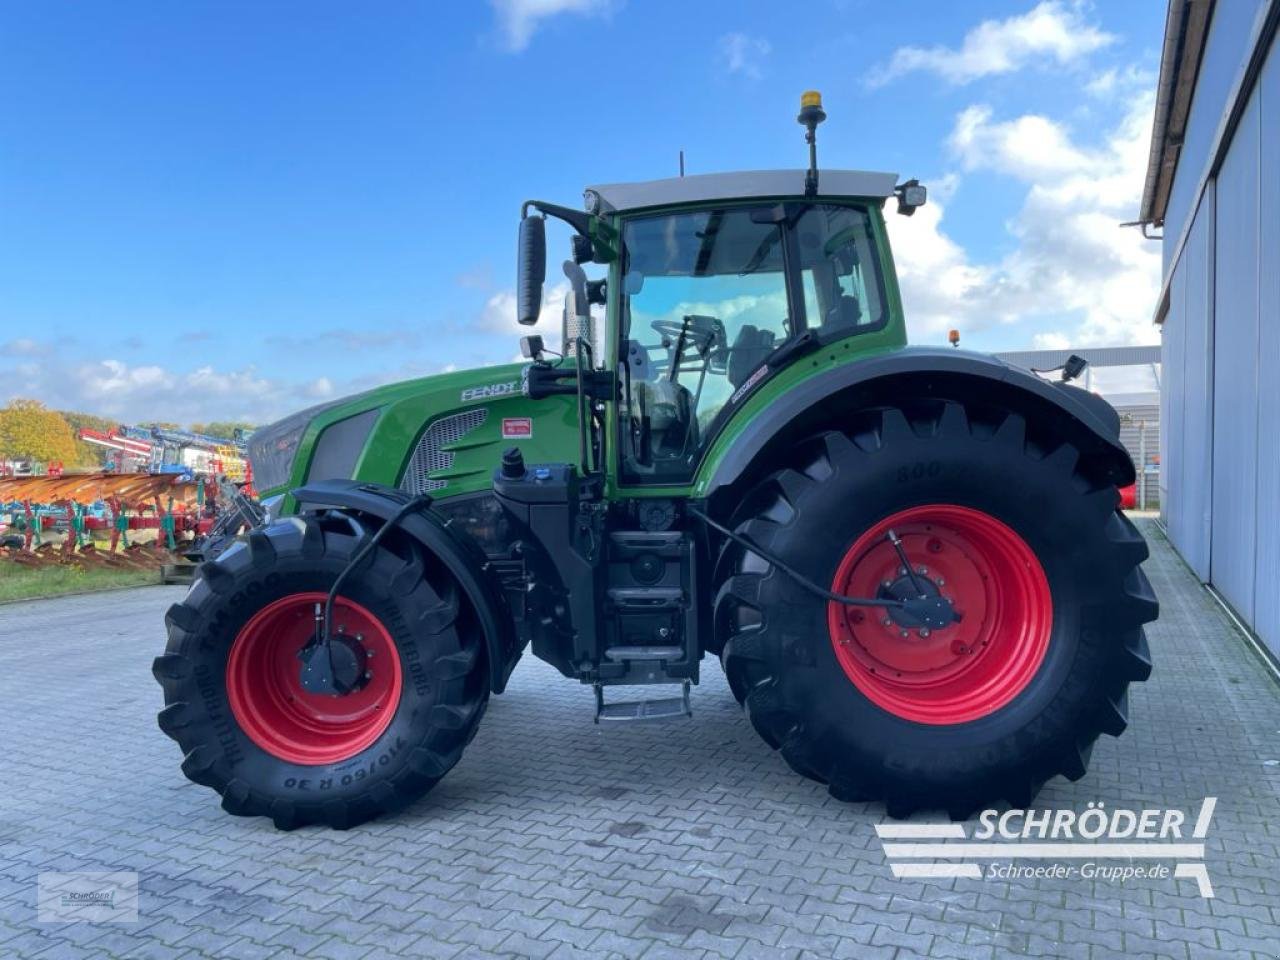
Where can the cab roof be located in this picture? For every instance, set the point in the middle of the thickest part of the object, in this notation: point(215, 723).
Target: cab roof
point(742, 185)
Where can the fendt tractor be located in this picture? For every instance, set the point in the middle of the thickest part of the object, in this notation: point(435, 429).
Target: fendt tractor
point(909, 560)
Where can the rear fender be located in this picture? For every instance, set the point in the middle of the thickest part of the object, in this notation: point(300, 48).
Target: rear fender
point(1085, 419)
point(461, 557)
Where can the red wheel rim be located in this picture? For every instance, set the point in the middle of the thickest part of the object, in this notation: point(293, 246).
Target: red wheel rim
point(968, 669)
point(277, 713)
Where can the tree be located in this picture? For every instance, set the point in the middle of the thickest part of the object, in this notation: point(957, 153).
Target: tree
point(88, 454)
point(225, 429)
point(30, 430)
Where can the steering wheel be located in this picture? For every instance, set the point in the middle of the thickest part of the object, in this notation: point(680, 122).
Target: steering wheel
point(706, 335)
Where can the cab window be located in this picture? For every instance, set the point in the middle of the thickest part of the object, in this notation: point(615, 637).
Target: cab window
point(839, 269)
point(705, 304)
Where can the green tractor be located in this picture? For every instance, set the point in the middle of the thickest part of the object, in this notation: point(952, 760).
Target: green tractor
point(909, 560)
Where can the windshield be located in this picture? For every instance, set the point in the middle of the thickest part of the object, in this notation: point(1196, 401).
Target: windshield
point(708, 297)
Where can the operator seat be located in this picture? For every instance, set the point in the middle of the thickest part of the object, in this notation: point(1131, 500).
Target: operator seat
point(846, 312)
point(749, 350)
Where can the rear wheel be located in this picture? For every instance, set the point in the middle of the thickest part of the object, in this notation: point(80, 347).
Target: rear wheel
point(1013, 532)
point(336, 735)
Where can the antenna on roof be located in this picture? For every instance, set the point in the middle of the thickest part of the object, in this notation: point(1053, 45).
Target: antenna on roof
point(811, 114)
point(682, 163)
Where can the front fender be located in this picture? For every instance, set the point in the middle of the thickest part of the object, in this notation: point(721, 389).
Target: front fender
point(1090, 422)
point(461, 557)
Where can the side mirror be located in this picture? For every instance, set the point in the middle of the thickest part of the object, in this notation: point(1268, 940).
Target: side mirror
point(531, 269)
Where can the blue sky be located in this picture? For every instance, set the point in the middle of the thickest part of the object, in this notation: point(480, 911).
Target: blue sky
point(213, 210)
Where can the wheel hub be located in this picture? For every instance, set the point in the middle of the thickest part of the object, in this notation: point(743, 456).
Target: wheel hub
point(974, 621)
point(291, 702)
point(336, 668)
point(923, 604)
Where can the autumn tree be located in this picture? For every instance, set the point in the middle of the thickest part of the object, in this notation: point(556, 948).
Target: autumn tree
point(30, 430)
point(225, 429)
point(87, 454)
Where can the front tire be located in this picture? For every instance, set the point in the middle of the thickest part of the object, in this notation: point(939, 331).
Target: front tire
point(1036, 557)
point(250, 729)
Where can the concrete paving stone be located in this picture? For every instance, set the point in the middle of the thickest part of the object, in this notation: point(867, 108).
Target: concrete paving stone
point(554, 837)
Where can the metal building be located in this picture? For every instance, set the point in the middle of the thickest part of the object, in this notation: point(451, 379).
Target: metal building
point(1213, 189)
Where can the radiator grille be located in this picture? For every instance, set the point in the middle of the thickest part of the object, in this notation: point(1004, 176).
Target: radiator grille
point(428, 457)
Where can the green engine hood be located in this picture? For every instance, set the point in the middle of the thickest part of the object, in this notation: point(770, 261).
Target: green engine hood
point(458, 424)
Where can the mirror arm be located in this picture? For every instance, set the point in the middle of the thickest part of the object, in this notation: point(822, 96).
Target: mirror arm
point(580, 221)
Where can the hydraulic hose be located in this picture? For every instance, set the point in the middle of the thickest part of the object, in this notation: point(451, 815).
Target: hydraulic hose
point(420, 502)
point(793, 573)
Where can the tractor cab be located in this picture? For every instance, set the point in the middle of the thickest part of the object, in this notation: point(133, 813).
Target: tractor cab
point(715, 284)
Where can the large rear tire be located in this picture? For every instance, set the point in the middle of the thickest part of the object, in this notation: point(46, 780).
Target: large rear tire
point(248, 727)
point(1015, 528)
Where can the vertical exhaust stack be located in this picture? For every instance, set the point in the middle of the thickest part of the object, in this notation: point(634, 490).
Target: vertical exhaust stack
point(811, 114)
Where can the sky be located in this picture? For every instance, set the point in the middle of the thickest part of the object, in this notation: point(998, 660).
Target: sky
point(230, 210)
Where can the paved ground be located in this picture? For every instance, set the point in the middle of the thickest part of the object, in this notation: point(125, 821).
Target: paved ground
point(557, 837)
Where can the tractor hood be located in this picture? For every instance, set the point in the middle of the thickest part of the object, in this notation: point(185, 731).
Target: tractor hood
point(464, 417)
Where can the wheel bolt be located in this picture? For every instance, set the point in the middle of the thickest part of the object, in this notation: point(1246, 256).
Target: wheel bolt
point(887, 622)
point(924, 631)
point(902, 633)
point(941, 582)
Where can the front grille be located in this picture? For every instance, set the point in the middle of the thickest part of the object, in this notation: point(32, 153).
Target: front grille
point(428, 456)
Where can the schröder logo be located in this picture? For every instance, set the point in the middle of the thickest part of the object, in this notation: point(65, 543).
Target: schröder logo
point(1081, 844)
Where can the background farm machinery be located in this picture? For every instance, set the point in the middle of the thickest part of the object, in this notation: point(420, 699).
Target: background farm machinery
point(162, 497)
point(125, 520)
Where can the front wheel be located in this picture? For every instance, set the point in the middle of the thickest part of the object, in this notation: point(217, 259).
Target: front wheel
point(1012, 531)
point(332, 735)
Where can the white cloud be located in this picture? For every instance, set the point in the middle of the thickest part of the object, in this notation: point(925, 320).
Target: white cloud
point(740, 53)
point(499, 315)
point(1030, 147)
point(24, 347)
point(321, 388)
point(113, 388)
point(1050, 31)
point(518, 20)
point(1120, 82)
point(1073, 271)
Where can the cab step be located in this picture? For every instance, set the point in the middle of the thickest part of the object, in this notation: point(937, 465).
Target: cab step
point(667, 708)
point(621, 653)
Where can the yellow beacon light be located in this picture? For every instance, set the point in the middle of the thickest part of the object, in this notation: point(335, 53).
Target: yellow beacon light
point(811, 114)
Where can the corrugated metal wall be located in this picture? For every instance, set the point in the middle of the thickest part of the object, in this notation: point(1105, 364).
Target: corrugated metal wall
point(1266, 613)
point(1187, 400)
point(1225, 52)
point(1221, 353)
point(1235, 382)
